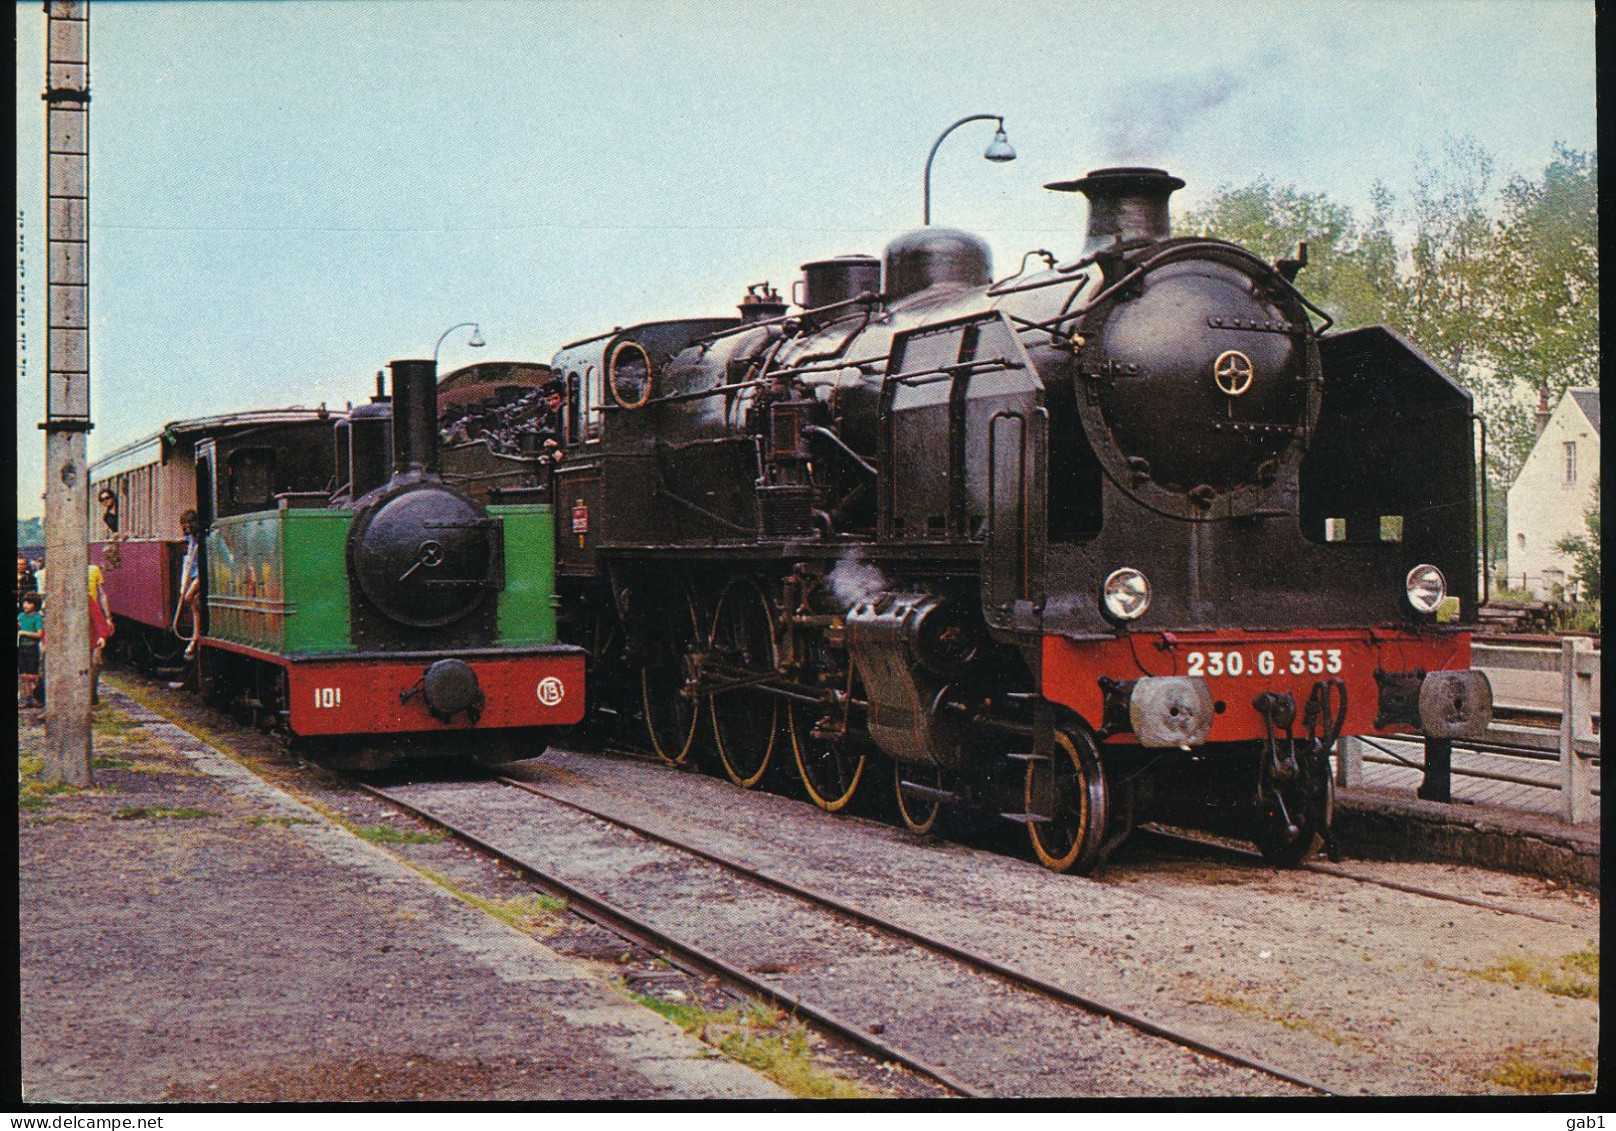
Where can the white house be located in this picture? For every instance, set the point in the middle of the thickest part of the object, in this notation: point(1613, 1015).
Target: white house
point(1557, 484)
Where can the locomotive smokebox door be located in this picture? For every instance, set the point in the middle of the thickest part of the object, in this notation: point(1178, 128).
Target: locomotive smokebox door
point(425, 557)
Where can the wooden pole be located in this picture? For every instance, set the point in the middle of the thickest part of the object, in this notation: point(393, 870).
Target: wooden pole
point(67, 393)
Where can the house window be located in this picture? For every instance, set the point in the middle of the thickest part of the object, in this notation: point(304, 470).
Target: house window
point(1570, 461)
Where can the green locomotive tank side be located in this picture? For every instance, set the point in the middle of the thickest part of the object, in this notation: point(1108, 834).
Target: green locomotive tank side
point(527, 603)
point(278, 581)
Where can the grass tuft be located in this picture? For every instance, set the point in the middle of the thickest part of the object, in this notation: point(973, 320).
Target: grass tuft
point(1274, 1014)
point(388, 834)
point(1574, 975)
point(34, 794)
point(283, 822)
point(529, 913)
point(105, 722)
point(762, 1038)
point(1539, 1079)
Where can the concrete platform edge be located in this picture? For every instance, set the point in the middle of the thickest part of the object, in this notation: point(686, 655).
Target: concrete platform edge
point(1377, 824)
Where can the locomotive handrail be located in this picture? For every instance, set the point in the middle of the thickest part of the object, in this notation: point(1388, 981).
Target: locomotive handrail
point(868, 297)
point(1133, 276)
point(1066, 275)
point(956, 369)
point(829, 366)
point(1486, 534)
point(284, 608)
point(613, 332)
point(697, 394)
point(1049, 260)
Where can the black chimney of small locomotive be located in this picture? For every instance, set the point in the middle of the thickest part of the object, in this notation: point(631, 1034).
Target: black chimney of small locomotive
point(415, 417)
point(1126, 203)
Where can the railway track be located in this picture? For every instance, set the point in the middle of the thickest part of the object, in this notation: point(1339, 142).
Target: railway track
point(1229, 851)
point(1250, 856)
point(964, 1004)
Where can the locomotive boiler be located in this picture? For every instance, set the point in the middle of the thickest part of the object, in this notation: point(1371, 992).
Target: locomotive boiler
point(1123, 535)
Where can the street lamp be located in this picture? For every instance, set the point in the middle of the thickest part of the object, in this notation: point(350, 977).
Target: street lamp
point(476, 341)
point(999, 149)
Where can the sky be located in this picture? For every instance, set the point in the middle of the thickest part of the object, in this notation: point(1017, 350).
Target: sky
point(288, 194)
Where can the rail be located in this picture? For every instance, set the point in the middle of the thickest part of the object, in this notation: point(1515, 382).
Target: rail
point(1573, 671)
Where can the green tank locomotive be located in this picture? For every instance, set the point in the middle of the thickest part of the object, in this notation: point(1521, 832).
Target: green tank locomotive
point(398, 606)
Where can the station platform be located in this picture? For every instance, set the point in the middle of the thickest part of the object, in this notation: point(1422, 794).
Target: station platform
point(189, 933)
point(1491, 823)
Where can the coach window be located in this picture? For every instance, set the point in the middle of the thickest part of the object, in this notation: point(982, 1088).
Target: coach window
point(250, 475)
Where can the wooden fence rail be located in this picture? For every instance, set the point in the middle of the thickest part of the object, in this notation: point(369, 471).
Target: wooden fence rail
point(1563, 681)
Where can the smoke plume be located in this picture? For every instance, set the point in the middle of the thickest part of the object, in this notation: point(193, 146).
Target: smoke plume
point(1148, 120)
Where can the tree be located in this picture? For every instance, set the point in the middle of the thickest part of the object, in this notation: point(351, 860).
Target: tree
point(1584, 550)
point(1450, 282)
point(1545, 323)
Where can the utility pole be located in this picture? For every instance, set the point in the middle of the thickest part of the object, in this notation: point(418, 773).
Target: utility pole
point(67, 392)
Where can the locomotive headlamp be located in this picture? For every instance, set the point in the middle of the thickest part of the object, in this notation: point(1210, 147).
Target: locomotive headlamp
point(1426, 588)
point(1125, 594)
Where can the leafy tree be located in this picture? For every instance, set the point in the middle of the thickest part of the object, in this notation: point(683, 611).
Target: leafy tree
point(30, 532)
point(1545, 323)
point(1450, 281)
point(1584, 550)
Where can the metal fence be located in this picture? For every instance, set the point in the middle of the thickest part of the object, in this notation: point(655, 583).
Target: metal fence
point(1531, 679)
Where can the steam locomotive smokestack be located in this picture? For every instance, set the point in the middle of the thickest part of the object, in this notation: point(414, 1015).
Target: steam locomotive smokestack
point(415, 417)
point(1127, 203)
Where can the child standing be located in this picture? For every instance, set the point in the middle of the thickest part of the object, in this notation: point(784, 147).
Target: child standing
point(30, 632)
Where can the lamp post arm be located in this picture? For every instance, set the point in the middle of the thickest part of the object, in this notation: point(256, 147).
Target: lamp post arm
point(445, 334)
point(926, 212)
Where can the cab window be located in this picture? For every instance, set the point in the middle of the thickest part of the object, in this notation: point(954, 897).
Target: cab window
point(250, 477)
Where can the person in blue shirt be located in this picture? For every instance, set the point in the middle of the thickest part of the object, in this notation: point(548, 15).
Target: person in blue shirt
point(30, 633)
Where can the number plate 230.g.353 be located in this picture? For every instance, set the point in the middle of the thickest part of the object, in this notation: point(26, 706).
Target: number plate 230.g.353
point(1269, 661)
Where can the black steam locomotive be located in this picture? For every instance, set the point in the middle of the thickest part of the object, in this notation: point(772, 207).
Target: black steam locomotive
point(1071, 547)
point(1117, 536)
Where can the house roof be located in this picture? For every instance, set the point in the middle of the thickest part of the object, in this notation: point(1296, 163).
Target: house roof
point(1588, 401)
